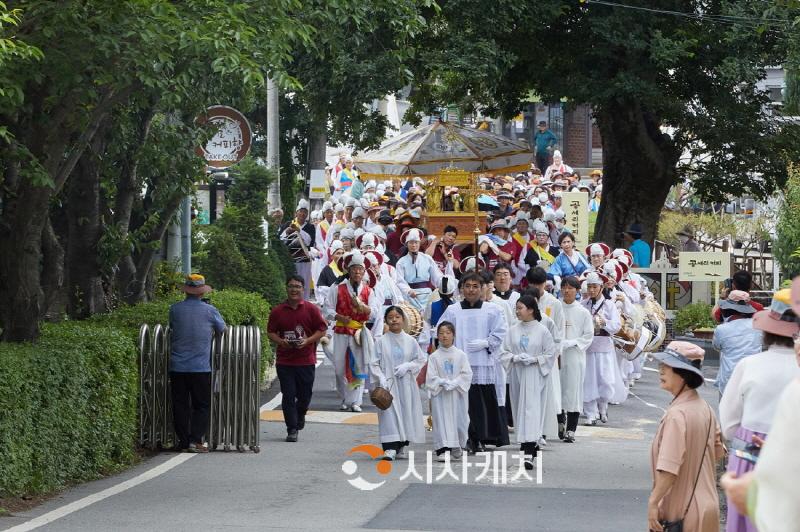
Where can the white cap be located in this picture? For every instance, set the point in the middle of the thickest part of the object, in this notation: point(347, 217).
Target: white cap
point(557, 153)
point(302, 204)
point(447, 285)
point(522, 215)
point(539, 226)
point(358, 232)
point(370, 184)
point(593, 278)
point(339, 208)
point(358, 212)
point(597, 249)
point(559, 214)
point(347, 234)
point(369, 239)
point(354, 258)
point(336, 244)
point(378, 231)
point(350, 202)
point(543, 197)
point(327, 206)
point(549, 215)
point(413, 235)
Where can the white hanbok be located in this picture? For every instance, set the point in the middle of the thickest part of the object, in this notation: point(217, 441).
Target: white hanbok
point(578, 336)
point(551, 307)
point(601, 359)
point(395, 366)
point(449, 408)
point(529, 353)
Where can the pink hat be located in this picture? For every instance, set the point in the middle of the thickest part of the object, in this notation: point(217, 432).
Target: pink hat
point(687, 349)
point(779, 318)
point(739, 295)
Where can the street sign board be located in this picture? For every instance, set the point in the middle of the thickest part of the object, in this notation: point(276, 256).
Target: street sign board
point(576, 206)
point(704, 265)
point(231, 142)
point(317, 188)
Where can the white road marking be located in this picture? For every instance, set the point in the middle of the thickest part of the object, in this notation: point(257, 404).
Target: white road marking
point(80, 504)
point(276, 401)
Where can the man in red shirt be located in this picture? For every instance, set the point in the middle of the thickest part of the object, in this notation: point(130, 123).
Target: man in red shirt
point(295, 326)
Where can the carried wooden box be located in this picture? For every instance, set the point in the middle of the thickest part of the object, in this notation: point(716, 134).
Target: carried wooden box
point(463, 221)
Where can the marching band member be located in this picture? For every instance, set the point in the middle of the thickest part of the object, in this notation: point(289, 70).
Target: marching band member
point(386, 290)
point(480, 332)
point(434, 309)
point(416, 272)
point(330, 274)
point(397, 361)
point(495, 247)
point(299, 237)
point(578, 336)
point(613, 271)
point(443, 251)
point(598, 253)
point(352, 304)
point(598, 383)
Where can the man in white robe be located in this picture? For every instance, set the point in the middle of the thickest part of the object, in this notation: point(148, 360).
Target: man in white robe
point(601, 358)
point(480, 331)
point(417, 273)
point(578, 336)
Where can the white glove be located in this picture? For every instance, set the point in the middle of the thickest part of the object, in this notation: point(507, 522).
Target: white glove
point(477, 345)
point(568, 343)
point(517, 358)
point(314, 253)
point(530, 360)
point(384, 384)
point(402, 369)
point(449, 385)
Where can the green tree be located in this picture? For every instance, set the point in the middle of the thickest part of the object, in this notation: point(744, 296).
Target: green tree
point(661, 85)
point(787, 234)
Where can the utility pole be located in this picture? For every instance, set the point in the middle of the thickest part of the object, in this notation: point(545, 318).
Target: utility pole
point(273, 143)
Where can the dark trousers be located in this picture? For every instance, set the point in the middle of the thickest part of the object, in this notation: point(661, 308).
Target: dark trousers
point(571, 420)
point(396, 445)
point(191, 405)
point(542, 161)
point(296, 385)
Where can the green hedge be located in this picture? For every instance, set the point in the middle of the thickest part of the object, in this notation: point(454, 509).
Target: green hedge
point(68, 404)
point(68, 407)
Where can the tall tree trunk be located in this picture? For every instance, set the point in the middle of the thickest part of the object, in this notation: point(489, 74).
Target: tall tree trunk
point(23, 219)
point(85, 281)
point(639, 163)
point(53, 275)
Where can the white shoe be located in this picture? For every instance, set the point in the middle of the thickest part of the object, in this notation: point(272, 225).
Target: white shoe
point(604, 418)
point(542, 441)
point(389, 454)
point(355, 408)
point(402, 454)
point(590, 421)
point(344, 407)
point(511, 430)
point(442, 457)
point(456, 454)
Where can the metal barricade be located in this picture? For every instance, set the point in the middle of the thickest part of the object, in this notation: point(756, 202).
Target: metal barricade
point(235, 380)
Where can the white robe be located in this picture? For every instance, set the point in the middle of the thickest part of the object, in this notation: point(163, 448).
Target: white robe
point(529, 380)
point(551, 307)
point(449, 408)
point(422, 270)
point(484, 323)
point(601, 357)
point(402, 421)
point(578, 336)
point(501, 378)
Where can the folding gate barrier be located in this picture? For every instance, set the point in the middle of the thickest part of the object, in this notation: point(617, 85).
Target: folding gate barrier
point(235, 369)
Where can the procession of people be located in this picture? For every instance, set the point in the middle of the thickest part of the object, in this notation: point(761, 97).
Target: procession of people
point(519, 339)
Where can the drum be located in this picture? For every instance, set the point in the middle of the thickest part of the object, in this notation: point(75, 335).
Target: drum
point(414, 322)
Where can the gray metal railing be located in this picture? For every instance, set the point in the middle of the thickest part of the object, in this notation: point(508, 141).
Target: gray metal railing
point(235, 380)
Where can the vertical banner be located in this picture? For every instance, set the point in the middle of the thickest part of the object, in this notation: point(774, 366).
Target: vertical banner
point(318, 189)
point(576, 206)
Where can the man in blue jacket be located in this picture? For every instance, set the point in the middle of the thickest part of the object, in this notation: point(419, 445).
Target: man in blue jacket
point(545, 141)
point(193, 324)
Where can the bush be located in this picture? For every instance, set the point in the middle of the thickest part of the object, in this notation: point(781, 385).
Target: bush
point(787, 237)
point(68, 407)
point(694, 316)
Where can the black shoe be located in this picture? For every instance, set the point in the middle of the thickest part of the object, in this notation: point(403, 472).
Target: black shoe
point(301, 423)
point(529, 464)
point(292, 436)
point(471, 447)
point(480, 447)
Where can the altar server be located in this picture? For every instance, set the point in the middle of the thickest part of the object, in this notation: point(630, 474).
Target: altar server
point(448, 381)
point(397, 361)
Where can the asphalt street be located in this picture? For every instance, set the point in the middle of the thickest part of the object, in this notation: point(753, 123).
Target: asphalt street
point(599, 483)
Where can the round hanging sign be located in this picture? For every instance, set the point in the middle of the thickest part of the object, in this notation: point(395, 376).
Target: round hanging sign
point(231, 142)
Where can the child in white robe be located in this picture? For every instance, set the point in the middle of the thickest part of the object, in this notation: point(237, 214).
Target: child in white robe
point(529, 353)
point(448, 380)
point(398, 359)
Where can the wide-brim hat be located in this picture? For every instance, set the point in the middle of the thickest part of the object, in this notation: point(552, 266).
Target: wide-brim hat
point(779, 318)
point(595, 173)
point(353, 258)
point(499, 224)
point(596, 278)
point(674, 359)
point(614, 270)
point(367, 238)
point(635, 230)
point(598, 248)
point(374, 257)
point(415, 233)
point(622, 251)
point(742, 307)
point(195, 284)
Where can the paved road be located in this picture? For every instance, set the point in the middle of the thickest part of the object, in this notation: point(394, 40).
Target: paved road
point(599, 483)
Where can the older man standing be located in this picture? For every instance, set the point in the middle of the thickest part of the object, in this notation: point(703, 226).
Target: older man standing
point(300, 237)
point(193, 324)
